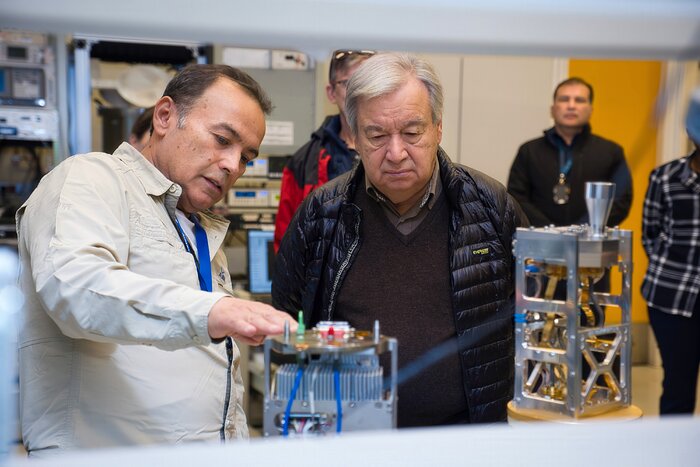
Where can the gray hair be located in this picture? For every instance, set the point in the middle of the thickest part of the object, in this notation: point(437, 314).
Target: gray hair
point(383, 74)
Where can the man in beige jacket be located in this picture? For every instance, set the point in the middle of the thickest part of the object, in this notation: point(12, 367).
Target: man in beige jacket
point(129, 325)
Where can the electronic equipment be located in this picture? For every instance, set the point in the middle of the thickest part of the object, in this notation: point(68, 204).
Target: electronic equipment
point(276, 166)
point(256, 168)
point(22, 86)
point(573, 354)
point(29, 124)
point(27, 70)
point(260, 260)
point(336, 383)
point(249, 197)
point(274, 197)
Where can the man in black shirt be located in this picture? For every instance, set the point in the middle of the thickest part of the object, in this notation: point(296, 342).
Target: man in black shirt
point(549, 173)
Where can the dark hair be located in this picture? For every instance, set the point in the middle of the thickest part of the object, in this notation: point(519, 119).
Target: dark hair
point(574, 80)
point(192, 81)
point(344, 59)
point(143, 123)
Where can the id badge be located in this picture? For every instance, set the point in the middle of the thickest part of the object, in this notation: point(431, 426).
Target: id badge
point(561, 191)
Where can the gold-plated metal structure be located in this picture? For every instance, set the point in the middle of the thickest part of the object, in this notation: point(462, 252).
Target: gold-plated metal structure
point(569, 358)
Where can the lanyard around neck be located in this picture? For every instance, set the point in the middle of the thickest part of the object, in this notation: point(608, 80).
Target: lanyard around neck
point(203, 263)
point(566, 158)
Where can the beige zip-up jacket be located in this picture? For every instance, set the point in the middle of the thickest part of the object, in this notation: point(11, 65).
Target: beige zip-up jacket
point(113, 345)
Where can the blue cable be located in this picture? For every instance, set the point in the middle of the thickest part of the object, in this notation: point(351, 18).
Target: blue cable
point(336, 379)
point(288, 411)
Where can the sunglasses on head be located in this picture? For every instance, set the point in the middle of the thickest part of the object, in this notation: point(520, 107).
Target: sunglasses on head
point(340, 56)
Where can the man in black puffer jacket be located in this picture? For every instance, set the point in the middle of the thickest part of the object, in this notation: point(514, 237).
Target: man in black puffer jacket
point(413, 240)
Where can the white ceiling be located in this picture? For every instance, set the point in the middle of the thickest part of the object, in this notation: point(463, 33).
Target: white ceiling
point(658, 29)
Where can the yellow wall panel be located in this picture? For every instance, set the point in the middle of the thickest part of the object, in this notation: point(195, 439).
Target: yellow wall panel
point(623, 110)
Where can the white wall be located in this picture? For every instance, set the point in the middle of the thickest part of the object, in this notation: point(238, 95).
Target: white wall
point(449, 69)
point(505, 102)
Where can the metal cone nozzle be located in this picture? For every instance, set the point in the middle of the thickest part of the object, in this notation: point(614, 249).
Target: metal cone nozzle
point(599, 198)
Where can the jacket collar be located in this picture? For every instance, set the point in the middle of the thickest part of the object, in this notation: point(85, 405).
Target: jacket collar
point(330, 131)
point(687, 175)
point(555, 140)
point(156, 184)
point(152, 179)
point(357, 174)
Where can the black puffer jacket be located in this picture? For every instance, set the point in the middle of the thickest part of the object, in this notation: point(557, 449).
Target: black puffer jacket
point(322, 241)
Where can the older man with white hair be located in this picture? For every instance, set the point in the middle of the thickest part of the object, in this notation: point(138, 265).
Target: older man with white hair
point(415, 241)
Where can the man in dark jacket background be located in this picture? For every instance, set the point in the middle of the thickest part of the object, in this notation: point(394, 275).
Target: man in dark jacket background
point(330, 151)
point(416, 241)
point(549, 174)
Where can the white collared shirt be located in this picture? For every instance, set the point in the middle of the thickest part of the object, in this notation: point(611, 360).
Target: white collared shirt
point(114, 348)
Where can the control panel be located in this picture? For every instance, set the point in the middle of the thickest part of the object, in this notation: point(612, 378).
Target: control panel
point(28, 124)
point(27, 70)
point(253, 197)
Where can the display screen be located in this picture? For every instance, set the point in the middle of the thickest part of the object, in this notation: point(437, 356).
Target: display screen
point(261, 257)
point(22, 86)
point(18, 53)
point(3, 82)
point(27, 83)
point(276, 166)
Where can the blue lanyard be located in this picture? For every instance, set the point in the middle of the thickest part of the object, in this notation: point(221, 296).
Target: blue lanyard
point(566, 158)
point(565, 166)
point(203, 264)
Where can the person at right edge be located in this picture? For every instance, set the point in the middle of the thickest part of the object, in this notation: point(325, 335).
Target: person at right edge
point(671, 239)
point(330, 151)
